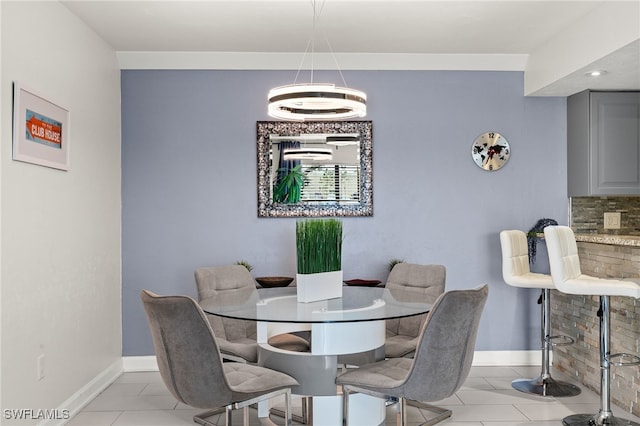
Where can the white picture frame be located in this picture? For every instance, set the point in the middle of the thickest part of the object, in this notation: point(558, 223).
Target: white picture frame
point(40, 129)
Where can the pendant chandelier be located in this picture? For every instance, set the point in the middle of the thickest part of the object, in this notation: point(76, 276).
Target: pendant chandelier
point(316, 101)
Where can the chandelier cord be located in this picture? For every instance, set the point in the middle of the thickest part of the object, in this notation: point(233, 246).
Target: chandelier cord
point(313, 36)
point(311, 44)
point(316, 18)
point(295, 80)
point(335, 60)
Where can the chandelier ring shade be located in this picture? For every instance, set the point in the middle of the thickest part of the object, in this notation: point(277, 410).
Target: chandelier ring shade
point(316, 101)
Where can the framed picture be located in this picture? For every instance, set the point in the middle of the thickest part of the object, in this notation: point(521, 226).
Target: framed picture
point(40, 129)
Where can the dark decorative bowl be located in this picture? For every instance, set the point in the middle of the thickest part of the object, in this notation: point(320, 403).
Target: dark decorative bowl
point(268, 282)
point(363, 283)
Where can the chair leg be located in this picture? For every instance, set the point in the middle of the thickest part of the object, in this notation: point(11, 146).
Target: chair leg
point(201, 418)
point(545, 385)
point(228, 421)
point(304, 418)
point(441, 413)
point(345, 406)
point(401, 417)
point(287, 409)
point(245, 416)
point(307, 411)
point(401, 409)
point(605, 415)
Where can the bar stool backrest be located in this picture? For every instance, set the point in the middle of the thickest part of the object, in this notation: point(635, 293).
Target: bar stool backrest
point(564, 261)
point(515, 262)
point(515, 254)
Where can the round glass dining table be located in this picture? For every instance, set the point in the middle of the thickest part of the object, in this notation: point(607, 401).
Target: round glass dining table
point(345, 330)
point(358, 303)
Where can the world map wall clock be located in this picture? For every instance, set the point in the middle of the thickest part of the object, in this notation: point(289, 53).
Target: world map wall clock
point(490, 151)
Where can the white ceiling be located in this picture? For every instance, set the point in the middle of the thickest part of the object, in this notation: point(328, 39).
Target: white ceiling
point(554, 42)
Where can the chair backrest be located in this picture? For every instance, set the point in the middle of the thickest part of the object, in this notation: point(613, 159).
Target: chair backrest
point(228, 284)
point(226, 281)
point(564, 261)
point(409, 282)
point(188, 357)
point(412, 282)
point(447, 342)
point(515, 254)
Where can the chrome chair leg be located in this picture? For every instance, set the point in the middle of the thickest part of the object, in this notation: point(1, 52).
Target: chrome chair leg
point(345, 406)
point(401, 416)
point(544, 384)
point(605, 415)
point(201, 418)
point(304, 418)
point(228, 416)
point(401, 408)
point(441, 413)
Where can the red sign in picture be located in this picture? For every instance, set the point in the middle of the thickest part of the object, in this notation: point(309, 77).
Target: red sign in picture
point(43, 130)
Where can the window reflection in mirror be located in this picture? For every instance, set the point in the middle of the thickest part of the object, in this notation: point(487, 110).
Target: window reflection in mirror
point(314, 169)
point(325, 166)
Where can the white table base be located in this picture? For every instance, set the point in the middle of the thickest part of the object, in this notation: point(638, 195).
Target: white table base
point(316, 371)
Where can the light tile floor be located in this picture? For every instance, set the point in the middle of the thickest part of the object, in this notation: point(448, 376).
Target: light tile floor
point(486, 399)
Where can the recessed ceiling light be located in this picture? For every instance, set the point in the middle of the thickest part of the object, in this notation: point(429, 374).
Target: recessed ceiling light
point(595, 73)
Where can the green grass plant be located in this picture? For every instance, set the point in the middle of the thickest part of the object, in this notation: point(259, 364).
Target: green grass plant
point(245, 264)
point(393, 262)
point(319, 245)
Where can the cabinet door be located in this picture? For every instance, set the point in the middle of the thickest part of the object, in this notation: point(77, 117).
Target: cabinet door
point(615, 143)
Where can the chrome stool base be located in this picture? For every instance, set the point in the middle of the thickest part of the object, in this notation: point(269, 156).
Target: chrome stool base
point(545, 387)
point(544, 384)
point(591, 420)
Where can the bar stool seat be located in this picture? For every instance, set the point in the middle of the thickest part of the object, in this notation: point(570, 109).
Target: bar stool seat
point(594, 286)
point(516, 273)
point(568, 278)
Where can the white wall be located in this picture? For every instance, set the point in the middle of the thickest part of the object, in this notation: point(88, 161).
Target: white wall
point(60, 254)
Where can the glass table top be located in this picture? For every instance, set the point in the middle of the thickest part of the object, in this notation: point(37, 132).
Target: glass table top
point(281, 305)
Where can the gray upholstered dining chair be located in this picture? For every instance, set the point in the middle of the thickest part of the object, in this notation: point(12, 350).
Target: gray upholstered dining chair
point(191, 365)
point(441, 363)
point(411, 283)
point(237, 338)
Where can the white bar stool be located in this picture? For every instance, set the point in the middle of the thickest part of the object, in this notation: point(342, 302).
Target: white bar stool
point(568, 278)
point(516, 273)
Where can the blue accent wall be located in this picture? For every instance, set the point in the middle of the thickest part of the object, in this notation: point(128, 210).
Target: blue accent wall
point(189, 184)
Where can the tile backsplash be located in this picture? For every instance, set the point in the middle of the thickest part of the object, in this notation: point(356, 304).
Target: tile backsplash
point(587, 214)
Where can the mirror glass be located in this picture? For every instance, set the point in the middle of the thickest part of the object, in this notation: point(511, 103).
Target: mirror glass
point(320, 168)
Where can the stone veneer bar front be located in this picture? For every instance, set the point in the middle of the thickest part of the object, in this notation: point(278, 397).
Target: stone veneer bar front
point(605, 256)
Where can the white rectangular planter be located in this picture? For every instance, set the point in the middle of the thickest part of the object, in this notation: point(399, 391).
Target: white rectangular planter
point(320, 286)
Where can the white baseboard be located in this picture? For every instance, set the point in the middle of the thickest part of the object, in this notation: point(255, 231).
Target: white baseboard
point(132, 364)
point(480, 358)
point(508, 358)
point(87, 393)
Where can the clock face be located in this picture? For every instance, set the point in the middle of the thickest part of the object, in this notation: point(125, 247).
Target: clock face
point(490, 151)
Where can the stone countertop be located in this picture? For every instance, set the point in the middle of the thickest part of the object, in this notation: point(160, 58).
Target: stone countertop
point(617, 240)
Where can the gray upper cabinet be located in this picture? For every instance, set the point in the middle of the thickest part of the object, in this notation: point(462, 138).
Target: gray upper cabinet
point(603, 143)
